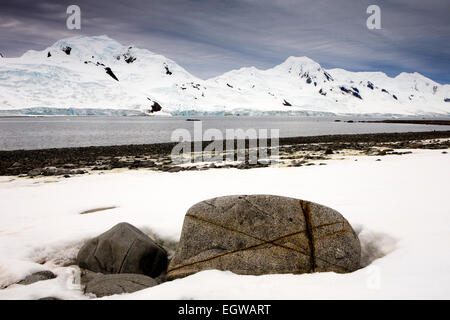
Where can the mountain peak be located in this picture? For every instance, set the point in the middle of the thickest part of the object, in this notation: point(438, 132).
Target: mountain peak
point(81, 47)
point(298, 60)
point(299, 65)
point(304, 68)
point(86, 45)
point(413, 76)
point(87, 39)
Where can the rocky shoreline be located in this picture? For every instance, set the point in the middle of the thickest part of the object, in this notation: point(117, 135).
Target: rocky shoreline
point(294, 151)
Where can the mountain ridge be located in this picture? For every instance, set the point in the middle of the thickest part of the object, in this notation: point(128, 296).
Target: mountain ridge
point(99, 73)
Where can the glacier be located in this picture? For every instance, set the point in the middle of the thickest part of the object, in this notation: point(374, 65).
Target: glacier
point(98, 76)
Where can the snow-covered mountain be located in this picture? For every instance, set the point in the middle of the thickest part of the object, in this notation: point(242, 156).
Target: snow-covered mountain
point(301, 83)
point(93, 75)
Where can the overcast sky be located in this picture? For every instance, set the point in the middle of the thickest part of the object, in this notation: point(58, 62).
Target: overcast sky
point(209, 37)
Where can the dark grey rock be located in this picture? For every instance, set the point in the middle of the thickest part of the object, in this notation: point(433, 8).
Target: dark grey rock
point(105, 285)
point(37, 276)
point(62, 172)
point(123, 249)
point(102, 167)
point(296, 164)
point(50, 171)
point(243, 166)
point(35, 172)
point(264, 234)
point(148, 164)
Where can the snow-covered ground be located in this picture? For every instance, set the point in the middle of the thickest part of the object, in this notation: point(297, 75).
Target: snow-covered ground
point(399, 206)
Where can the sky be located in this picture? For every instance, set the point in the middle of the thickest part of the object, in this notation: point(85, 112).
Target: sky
point(210, 37)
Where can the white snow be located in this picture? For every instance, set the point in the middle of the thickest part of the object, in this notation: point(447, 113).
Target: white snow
point(399, 206)
point(79, 81)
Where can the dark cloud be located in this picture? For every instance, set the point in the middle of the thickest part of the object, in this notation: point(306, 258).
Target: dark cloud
point(209, 37)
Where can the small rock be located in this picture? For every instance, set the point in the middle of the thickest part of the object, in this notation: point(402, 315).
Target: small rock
point(296, 164)
point(244, 165)
point(148, 164)
point(102, 167)
point(34, 172)
point(37, 276)
point(61, 172)
point(105, 285)
point(50, 171)
point(264, 162)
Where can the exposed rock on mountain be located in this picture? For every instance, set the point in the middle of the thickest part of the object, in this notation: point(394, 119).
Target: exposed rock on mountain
point(66, 50)
point(109, 71)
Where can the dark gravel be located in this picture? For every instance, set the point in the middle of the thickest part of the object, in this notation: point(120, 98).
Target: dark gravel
point(66, 161)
